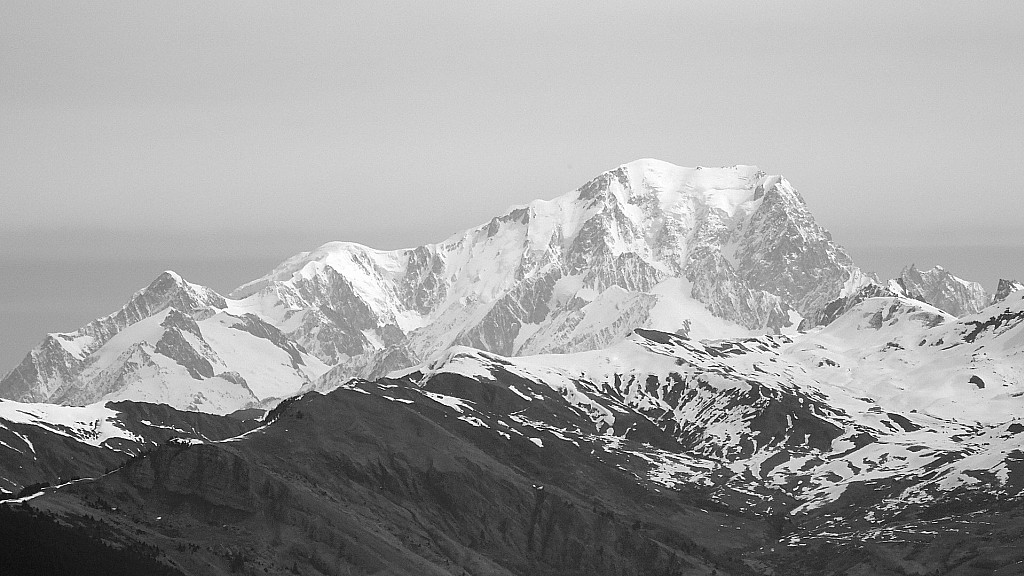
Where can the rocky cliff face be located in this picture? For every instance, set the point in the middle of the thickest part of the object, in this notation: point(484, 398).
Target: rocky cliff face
point(782, 250)
point(936, 287)
point(941, 289)
point(1005, 288)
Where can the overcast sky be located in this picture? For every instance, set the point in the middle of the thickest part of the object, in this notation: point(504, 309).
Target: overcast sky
point(221, 137)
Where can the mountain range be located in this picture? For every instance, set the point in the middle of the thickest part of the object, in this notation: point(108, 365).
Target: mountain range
point(706, 252)
point(668, 370)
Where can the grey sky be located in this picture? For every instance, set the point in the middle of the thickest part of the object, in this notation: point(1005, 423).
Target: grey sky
point(245, 131)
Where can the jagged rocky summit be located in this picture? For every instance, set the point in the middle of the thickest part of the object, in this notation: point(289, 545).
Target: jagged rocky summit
point(936, 287)
point(1005, 288)
point(943, 290)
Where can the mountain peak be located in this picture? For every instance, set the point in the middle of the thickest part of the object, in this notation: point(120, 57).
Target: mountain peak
point(658, 174)
point(655, 164)
point(172, 276)
point(1005, 288)
point(57, 363)
point(942, 289)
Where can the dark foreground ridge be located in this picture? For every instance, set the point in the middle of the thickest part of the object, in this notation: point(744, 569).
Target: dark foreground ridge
point(358, 483)
point(387, 477)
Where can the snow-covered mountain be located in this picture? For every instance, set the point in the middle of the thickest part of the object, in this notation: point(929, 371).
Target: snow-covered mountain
point(941, 289)
point(703, 252)
point(174, 342)
point(936, 287)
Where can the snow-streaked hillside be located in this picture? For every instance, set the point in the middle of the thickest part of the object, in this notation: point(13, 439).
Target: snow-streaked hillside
point(908, 355)
point(52, 443)
point(814, 437)
point(93, 425)
point(895, 392)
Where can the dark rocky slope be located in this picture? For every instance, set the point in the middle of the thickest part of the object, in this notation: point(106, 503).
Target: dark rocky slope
point(359, 483)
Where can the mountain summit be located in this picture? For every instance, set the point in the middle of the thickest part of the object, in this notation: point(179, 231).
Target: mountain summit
point(700, 251)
